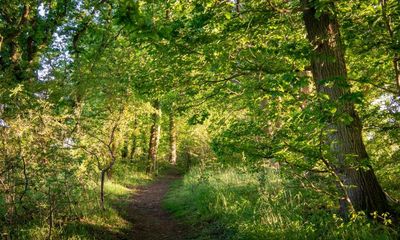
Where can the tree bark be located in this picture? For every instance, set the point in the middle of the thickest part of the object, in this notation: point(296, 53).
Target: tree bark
point(102, 179)
point(154, 138)
point(362, 188)
point(134, 140)
point(172, 137)
point(237, 6)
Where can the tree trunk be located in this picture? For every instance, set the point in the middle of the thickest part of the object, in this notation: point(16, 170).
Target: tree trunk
point(154, 138)
point(134, 140)
point(124, 150)
point(237, 6)
point(109, 174)
point(102, 179)
point(172, 137)
point(361, 187)
point(396, 66)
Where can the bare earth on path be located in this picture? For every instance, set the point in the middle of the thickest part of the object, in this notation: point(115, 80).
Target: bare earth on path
point(150, 221)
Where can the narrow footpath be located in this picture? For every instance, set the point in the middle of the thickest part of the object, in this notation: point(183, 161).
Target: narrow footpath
point(150, 221)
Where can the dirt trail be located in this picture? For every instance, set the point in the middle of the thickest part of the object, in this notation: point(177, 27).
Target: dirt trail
point(150, 221)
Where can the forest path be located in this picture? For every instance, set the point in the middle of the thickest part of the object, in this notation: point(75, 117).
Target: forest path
point(150, 221)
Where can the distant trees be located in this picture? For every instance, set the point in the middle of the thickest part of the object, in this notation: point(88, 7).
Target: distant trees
point(172, 136)
point(154, 141)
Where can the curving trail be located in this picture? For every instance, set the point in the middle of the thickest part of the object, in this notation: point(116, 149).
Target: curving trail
point(150, 221)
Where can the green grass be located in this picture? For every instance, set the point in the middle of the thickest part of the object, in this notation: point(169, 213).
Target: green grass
point(93, 222)
point(233, 204)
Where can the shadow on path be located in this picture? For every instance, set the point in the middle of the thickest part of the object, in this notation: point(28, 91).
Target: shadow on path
point(149, 220)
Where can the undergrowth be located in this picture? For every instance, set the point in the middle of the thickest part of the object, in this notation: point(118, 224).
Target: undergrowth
point(91, 222)
point(234, 203)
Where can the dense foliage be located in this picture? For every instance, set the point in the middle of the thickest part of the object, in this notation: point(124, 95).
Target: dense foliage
point(299, 100)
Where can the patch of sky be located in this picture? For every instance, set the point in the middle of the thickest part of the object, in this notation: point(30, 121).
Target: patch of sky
point(387, 102)
point(68, 143)
point(3, 124)
point(43, 10)
point(63, 56)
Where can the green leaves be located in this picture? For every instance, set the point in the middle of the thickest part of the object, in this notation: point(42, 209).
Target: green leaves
point(17, 90)
point(228, 15)
point(198, 118)
point(128, 12)
point(237, 75)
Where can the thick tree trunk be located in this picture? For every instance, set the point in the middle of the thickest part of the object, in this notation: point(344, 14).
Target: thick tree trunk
point(154, 138)
point(362, 189)
point(172, 138)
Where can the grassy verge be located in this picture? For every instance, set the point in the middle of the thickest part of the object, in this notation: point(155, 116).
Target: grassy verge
point(94, 223)
point(233, 204)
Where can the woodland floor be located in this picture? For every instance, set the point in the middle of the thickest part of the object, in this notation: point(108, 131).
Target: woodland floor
point(149, 220)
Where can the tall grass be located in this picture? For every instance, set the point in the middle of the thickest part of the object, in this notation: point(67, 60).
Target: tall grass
point(92, 222)
point(237, 204)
